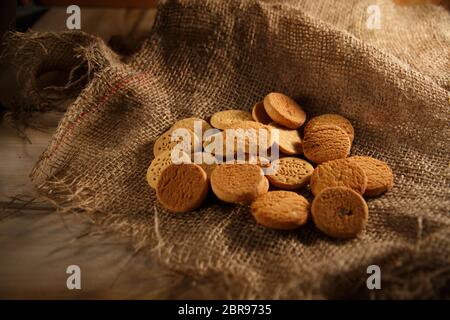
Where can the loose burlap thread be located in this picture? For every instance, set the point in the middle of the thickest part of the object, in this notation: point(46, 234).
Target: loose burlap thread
point(206, 56)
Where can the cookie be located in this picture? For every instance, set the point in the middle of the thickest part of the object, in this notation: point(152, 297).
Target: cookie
point(284, 110)
point(251, 134)
point(206, 161)
point(182, 187)
point(338, 173)
point(325, 143)
point(290, 173)
point(238, 183)
point(224, 119)
point(159, 163)
point(333, 119)
point(189, 123)
point(259, 114)
point(340, 212)
point(283, 210)
point(289, 140)
point(380, 178)
point(165, 143)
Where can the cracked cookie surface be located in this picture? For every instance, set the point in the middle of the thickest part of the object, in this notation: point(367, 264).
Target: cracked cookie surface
point(338, 173)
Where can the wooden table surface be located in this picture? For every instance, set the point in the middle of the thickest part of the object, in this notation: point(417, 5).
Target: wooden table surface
point(37, 244)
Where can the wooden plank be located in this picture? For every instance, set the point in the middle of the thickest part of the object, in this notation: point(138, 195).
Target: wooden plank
point(36, 244)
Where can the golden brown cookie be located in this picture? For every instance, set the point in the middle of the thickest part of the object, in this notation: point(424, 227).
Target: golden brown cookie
point(290, 173)
point(284, 110)
point(238, 183)
point(333, 119)
point(160, 162)
point(224, 119)
point(205, 160)
point(325, 143)
point(380, 178)
point(189, 123)
point(250, 133)
point(340, 212)
point(289, 140)
point(165, 143)
point(284, 210)
point(182, 187)
point(259, 114)
point(338, 173)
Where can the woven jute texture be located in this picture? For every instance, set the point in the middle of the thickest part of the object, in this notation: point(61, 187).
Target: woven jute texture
point(202, 56)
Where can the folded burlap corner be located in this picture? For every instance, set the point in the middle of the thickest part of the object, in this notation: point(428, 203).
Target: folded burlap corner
point(205, 56)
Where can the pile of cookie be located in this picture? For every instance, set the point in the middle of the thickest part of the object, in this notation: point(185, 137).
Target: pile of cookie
point(320, 160)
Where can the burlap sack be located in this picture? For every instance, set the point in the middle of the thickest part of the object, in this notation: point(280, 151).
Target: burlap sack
point(205, 56)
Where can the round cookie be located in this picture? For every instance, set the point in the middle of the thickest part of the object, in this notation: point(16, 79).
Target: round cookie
point(291, 173)
point(259, 114)
point(238, 183)
point(165, 143)
point(380, 178)
point(159, 163)
point(224, 119)
point(325, 143)
point(333, 119)
point(340, 212)
point(283, 210)
point(284, 110)
point(338, 173)
point(189, 123)
point(182, 187)
point(289, 140)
